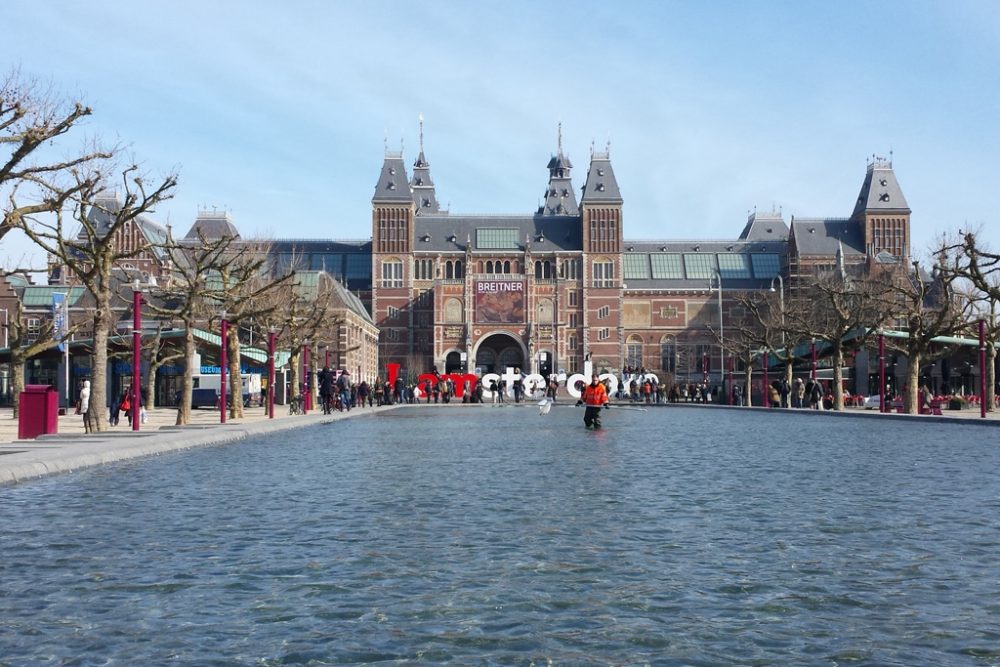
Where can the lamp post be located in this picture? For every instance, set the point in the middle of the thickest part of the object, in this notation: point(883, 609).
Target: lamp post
point(6, 328)
point(722, 337)
point(812, 345)
point(982, 368)
point(270, 372)
point(704, 367)
point(730, 393)
point(136, 343)
point(224, 332)
point(881, 371)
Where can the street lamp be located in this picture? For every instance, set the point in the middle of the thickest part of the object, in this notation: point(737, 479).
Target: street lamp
point(722, 338)
point(881, 371)
point(270, 372)
point(982, 368)
point(767, 385)
point(224, 331)
point(6, 328)
point(812, 345)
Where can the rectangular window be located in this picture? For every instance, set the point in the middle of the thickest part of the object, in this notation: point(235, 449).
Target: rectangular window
point(667, 266)
point(571, 269)
point(604, 274)
point(34, 328)
point(572, 342)
point(573, 322)
point(392, 334)
point(603, 334)
point(765, 265)
point(699, 266)
point(393, 312)
point(392, 273)
point(506, 239)
point(603, 312)
point(636, 267)
point(734, 265)
point(572, 298)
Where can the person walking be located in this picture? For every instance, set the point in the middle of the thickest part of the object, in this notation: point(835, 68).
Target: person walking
point(595, 397)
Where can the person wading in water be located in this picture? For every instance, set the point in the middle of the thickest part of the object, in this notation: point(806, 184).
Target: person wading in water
point(595, 396)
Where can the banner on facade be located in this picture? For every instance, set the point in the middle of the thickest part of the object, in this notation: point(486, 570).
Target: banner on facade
point(499, 301)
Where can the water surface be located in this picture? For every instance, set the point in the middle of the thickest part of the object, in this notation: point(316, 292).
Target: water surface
point(496, 536)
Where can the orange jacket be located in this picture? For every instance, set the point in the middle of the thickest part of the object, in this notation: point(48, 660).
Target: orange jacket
point(597, 396)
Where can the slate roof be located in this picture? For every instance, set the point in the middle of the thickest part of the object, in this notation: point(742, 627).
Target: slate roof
point(601, 185)
point(101, 217)
point(213, 225)
point(765, 227)
point(392, 186)
point(820, 236)
point(880, 190)
point(449, 233)
point(34, 296)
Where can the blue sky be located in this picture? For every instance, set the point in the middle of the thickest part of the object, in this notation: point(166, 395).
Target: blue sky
point(278, 112)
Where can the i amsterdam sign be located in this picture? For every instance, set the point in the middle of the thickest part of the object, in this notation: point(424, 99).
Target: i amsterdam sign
point(499, 301)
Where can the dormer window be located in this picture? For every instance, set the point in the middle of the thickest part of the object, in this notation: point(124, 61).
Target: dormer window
point(392, 170)
point(600, 172)
point(390, 186)
point(882, 182)
point(600, 187)
point(884, 196)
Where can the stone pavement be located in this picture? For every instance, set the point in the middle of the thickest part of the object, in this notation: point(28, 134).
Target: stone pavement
point(72, 449)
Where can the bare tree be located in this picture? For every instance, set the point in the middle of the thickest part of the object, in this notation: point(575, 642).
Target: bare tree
point(92, 254)
point(929, 308)
point(974, 261)
point(31, 118)
point(843, 312)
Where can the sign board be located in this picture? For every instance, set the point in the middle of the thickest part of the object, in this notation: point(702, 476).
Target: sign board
point(59, 319)
point(499, 301)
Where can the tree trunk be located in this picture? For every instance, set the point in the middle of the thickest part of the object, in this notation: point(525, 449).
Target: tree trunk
point(235, 377)
point(184, 408)
point(293, 371)
point(151, 386)
point(748, 386)
point(911, 397)
point(98, 410)
point(17, 381)
point(838, 376)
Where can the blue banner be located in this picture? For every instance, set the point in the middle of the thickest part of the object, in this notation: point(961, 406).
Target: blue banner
point(59, 318)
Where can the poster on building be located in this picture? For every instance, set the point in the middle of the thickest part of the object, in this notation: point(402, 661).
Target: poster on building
point(499, 301)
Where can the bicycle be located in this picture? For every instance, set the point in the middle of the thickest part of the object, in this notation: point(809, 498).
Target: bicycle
point(295, 406)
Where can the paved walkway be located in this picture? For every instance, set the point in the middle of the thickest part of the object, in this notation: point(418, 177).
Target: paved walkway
point(72, 449)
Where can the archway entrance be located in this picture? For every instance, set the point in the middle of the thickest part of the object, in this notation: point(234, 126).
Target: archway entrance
point(498, 352)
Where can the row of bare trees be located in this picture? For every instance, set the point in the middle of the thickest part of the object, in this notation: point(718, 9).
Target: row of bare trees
point(845, 310)
point(76, 210)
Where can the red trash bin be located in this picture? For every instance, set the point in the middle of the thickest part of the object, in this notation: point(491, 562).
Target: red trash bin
point(38, 412)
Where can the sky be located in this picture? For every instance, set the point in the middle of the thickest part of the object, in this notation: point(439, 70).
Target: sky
point(280, 112)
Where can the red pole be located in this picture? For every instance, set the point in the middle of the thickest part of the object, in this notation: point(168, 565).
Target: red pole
point(270, 375)
point(982, 369)
point(136, 343)
point(881, 372)
point(767, 385)
point(704, 368)
point(222, 370)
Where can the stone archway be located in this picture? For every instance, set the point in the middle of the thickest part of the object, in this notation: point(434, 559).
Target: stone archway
point(497, 351)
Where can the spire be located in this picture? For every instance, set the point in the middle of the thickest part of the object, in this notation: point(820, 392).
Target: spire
point(880, 190)
point(560, 199)
point(424, 196)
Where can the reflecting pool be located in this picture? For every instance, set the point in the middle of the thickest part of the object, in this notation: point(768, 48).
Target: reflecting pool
point(499, 536)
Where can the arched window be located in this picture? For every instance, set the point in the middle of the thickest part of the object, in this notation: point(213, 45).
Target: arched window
point(633, 351)
point(392, 273)
point(453, 311)
point(538, 269)
point(449, 270)
point(459, 273)
point(489, 266)
point(506, 266)
point(668, 354)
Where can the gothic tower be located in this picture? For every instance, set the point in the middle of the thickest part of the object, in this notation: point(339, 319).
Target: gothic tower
point(882, 212)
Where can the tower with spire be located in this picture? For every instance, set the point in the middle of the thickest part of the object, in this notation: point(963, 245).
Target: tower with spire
point(424, 197)
point(560, 199)
point(882, 213)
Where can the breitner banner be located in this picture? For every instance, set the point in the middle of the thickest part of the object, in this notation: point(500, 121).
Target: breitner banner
point(499, 301)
